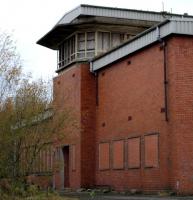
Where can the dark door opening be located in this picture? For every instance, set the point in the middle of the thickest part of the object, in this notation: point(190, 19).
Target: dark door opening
point(65, 150)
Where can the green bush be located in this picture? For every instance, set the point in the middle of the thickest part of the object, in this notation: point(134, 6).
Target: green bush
point(32, 190)
point(17, 188)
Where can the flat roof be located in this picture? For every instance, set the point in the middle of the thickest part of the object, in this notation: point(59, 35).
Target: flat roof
point(65, 25)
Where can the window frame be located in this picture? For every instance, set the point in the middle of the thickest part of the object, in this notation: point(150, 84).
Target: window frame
point(158, 150)
point(67, 55)
point(124, 153)
point(99, 51)
point(140, 149)
point(109, 161)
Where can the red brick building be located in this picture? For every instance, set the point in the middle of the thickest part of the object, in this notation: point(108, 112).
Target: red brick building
point(128, 75)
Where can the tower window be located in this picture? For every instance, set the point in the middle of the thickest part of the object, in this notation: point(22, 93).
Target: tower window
point(85, 45)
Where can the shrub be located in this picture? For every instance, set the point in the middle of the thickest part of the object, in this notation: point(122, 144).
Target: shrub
point(32, 190)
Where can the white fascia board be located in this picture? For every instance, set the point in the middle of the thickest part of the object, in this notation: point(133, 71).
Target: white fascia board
point(142, 40)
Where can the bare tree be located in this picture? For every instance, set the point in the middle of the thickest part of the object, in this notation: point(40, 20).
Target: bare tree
point(10, 67)
point(28, 119)
point(10, 74)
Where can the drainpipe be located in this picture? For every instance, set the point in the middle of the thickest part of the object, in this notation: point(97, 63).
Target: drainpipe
point(96, 82)
point(164, 48)
point(91, 66)
point(165, 80)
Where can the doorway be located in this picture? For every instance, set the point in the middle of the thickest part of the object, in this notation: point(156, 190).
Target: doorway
point(65, 151)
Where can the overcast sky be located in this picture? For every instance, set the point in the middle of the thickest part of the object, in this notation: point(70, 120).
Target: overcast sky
point(29, 20)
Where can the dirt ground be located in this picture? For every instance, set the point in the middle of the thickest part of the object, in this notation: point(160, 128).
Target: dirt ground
point(122, 197)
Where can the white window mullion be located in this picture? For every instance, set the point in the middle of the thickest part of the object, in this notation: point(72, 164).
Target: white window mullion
point(96, 43)
point(85, 49)
point(76, 45)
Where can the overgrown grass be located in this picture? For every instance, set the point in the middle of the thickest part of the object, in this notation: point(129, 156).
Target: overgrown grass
point(40, 196)
point(19, 191)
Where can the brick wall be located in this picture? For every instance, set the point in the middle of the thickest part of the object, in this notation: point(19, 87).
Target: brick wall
point(75, 88)
point(131, 97)
point(180, 70)
point(88, 114)
point(67, 86)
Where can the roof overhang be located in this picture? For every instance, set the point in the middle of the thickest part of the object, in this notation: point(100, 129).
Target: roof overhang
point(67, 24)
point(55, 36)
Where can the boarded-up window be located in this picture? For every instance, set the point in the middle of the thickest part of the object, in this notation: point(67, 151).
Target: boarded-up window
point(46, 160)
point(151, 151)
point(73, 157)
point(104, 156)
point(43, 160)
point(133, 154)
point(49, 155)
point(118, 154)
